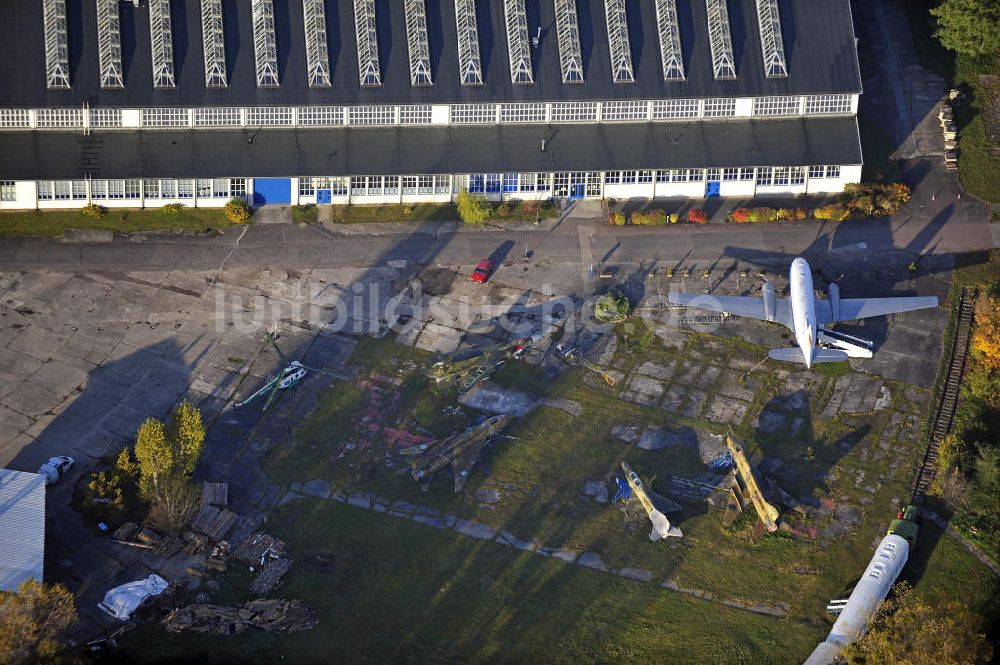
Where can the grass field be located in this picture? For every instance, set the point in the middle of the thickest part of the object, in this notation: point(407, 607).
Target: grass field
point(55, 222)
point(389, 590)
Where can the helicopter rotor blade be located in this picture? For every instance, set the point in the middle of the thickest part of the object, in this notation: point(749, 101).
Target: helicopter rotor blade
point(274, 342)
point(342, 377)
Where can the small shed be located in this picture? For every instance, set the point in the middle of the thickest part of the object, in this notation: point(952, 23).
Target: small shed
point(22, 523)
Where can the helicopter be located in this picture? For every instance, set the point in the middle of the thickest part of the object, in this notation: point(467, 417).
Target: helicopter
point(288, 377)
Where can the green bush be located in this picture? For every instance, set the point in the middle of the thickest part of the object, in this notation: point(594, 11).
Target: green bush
point(238, 211)
point(611, 307)
point(616, 219)
point(875, 199)
point(833, 211)
point(93, 211)
point(473, 208)
point(173, 209)
point(762, 214)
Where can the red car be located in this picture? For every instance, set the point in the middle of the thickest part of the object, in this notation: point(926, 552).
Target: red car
point(482, 271)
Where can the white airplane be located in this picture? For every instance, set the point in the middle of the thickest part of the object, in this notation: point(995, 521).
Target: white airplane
point(805, 315)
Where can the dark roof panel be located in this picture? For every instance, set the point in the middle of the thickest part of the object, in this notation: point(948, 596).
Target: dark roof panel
point(395, 150)
point(818, 36)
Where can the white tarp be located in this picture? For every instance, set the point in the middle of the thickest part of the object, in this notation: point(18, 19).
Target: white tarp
point(121, 601)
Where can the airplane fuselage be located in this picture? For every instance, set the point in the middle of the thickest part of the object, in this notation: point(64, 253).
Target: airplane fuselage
point(803, 306)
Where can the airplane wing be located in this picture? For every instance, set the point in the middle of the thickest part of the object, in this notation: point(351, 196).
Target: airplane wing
point(747, 306)
point(852, 309)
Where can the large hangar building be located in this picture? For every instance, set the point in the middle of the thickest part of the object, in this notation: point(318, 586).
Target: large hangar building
point(312, 101)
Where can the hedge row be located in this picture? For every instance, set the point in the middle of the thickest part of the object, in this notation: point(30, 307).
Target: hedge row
point(657, 217)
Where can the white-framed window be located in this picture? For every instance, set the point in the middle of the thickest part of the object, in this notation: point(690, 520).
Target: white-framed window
point(729, 174)
point(746, 173)
point(151, 189)
point(776, 105)
point(669, 109)
point(116, 189)
point(165, 117)
point(220, 188)
point(613, 178)
point(763, 176)
point(238, 188)
point(269, 116)
point(712, 175)
point(471, 114)
point(359, 186)
point(781, 175)
point(8, 191)
point(204, 188)
point(696, 175)
point(527, 182)
point(574, 112)
point(442, 184)
point(828, 104)
point(832, 171)
point(514, 113)
point(168, 188)
point(645, 176)
point(629, 177)
point(44, 190)
point(425, 184)
point(15, 118)
point(185, 188)
point(543, 182)
point(593, 182)
point(415, 115)
point(306, 187)
point(392, 184)
point(374, 185)
point(409, 184)
point(679, 175)
point(797, 175)
point(53, 118)
point(663, 176)
point(561, 184)
point(133, 189)
point(320, 116)
point(221, 116)
point(105, 117)
point(62, 189)
point(79, 189)
point(723, 107)
point(99, 189)
point(816, 171)
point(630, 110)
point(371, 115)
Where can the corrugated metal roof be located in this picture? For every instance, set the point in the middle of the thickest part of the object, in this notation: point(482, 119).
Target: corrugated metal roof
point(818, 38)
point(22, 527)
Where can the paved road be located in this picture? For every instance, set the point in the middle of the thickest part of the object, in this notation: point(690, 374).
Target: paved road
point(943, 225)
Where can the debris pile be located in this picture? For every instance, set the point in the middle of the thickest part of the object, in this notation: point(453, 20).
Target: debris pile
point(266, 556)
point(276, 615)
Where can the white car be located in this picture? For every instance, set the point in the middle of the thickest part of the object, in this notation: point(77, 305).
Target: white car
point(55, 468)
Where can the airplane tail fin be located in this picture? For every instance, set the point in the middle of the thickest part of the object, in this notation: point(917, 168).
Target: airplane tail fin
point(794, 354)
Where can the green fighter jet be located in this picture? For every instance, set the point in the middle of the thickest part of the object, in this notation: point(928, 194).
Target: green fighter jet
point(460, 452)
point(474, 365)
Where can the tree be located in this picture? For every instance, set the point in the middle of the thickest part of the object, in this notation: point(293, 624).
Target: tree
point(913, 631)
point(155, 454)
point(126, 463)
point(473, 208)
point(176, 501)
point(986, 335)
point(187, 433)
point(611, 307)
point(30, 620)
point(970, 27)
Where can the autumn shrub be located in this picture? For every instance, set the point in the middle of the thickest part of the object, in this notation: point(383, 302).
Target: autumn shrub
point(986, 335)
point(697, 216)
point(238, 211)
point(801, 213)
point(503, 210)
point(650, 218)
point(172, 209)
point(611, 307)
point(833, 211)
point(875, 199)
point(674, 217)
point(473, 208)
point(739, 216)
point(616, 219)
point(93, 211)
point(763, 214)
point(785, 214)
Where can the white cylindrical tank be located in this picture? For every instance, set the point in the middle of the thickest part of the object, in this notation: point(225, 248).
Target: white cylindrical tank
point(871, 590)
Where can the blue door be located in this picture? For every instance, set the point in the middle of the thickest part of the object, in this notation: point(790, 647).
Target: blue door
point(711, 188)
point(272, 190)
point(576, 190)
point(323, 196)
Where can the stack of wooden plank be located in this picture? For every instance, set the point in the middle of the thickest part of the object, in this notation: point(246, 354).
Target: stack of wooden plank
point(214, 522)
point(273, 615)
point(215, 494)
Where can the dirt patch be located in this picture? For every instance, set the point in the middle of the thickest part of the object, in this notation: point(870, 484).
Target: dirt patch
point(437, 281)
